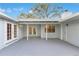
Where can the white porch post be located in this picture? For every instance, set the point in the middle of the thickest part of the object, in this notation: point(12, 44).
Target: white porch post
point(41, 30)
point(66, 31)
point(46, 31)
point(61, 32)
point(27, 31)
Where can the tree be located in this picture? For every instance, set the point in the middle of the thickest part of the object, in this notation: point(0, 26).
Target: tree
point(44, 10)
point(30, 16)
point(22, 15)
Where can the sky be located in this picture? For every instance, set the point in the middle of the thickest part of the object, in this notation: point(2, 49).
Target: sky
point(14, 9)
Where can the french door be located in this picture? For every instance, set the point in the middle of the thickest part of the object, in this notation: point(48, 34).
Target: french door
point(32, 31)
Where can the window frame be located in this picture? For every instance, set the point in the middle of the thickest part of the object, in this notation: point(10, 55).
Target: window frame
point(50, 28)
point(15, 30)
point(9, 31)
point(32, 30)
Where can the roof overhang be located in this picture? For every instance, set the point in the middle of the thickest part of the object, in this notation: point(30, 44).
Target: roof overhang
point(5, 17)
point(67, 19)
point(38, 22)
point(71, 18)
point(30, 19)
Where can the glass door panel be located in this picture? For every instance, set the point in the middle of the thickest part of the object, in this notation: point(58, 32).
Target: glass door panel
point(32, 30)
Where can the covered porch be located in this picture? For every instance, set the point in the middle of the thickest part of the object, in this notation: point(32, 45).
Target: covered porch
point(40, 29)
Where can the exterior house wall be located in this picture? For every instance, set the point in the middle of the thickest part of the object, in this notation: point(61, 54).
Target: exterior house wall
point(2, 33)
point(40, 31)
point(59, 31)
point(8, 42)
point(71, 32)
point(5, 25)
point(20, 31)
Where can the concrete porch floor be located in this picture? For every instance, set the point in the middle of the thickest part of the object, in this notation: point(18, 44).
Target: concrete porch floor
point(40, 47)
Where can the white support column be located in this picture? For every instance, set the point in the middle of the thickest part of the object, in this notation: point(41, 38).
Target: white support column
point(41, 30)
point(61, 32)
point(46, 31)
point(66, 31)
point(27, 31)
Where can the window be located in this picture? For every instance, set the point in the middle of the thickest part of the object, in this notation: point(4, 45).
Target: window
point(9, 34)
point(50, 28)
point(15, 31)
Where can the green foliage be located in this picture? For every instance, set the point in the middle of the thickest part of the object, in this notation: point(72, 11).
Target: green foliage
point(43, 10)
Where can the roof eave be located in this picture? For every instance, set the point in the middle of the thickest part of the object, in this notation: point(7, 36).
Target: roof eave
point(7, 17)
point(70, 18)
